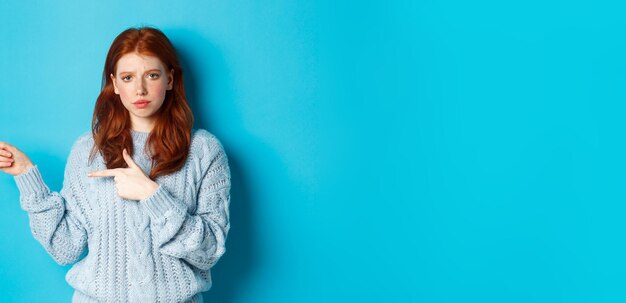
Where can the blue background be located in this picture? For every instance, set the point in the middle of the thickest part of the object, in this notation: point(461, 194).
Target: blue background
point(381, 151)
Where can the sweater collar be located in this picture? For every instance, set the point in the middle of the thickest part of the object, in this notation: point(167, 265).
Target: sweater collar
point(139, 135)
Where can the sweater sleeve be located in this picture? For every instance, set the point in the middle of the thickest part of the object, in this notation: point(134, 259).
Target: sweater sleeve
point(197, 238)
point(55, 218)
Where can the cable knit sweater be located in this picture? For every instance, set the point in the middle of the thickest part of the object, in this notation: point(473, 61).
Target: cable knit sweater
point(159, 249)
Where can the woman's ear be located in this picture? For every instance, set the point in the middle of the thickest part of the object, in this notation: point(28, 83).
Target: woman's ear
point(114, 85)
point(170, 82)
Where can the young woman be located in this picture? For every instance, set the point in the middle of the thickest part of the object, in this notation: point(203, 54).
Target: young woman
point(146, 193)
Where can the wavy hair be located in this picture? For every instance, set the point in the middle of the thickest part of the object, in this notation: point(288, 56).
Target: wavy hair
point(169, 141)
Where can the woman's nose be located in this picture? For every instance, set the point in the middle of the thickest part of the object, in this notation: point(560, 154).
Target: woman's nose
point(141, 87)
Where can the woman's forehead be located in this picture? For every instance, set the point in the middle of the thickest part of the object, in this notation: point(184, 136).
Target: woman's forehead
point(136, 61)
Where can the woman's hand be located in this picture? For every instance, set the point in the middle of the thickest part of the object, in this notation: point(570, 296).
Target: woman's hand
point(131, 183)
point(12, 160)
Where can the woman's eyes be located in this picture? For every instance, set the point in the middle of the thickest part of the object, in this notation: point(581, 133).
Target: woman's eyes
point(150, 75)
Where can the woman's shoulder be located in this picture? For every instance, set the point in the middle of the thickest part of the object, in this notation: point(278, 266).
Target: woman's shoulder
point(201, 140)
point(85, 140)
point(204, 142)
point(201, 134)
point(203, 137)
point(81, 148)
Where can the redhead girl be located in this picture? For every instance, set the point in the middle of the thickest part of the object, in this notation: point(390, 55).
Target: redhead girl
point(143, 213)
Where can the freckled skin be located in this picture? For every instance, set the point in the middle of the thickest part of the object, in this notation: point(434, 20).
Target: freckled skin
point(141, 77)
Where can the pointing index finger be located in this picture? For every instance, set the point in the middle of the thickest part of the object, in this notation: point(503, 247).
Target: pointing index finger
point(104, 173)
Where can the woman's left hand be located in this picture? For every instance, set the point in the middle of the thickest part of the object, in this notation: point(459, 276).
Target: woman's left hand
point(131, 182)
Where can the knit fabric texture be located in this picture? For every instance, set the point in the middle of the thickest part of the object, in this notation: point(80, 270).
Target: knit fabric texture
point(159, 249)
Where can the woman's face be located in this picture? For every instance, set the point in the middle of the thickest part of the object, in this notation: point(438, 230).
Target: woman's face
point(141, 81)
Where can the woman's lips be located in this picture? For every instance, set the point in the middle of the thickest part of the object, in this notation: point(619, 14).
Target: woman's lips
point(141, 104)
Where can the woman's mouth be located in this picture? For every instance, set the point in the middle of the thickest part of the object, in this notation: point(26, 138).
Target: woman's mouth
point(141, 104)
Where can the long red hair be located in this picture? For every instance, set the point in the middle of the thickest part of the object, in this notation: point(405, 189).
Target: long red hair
point(170, 139)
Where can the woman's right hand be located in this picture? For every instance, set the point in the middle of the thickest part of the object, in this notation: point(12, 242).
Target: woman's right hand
point(12, 160)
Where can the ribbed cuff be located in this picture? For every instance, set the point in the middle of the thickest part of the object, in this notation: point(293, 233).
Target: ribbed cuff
point(31, 182)
point(160, 203)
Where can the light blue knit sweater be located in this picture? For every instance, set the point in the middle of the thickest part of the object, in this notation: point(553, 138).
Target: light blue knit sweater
point(159, 249)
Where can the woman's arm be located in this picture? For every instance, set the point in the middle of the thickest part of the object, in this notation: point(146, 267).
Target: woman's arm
point(56, 219)
point(197, 238)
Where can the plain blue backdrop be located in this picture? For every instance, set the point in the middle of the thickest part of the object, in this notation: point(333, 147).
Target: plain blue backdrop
point(381, 151)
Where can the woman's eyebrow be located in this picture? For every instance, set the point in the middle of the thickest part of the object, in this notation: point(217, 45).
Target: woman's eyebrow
point(148, 71)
